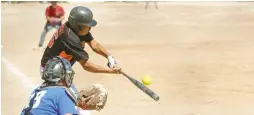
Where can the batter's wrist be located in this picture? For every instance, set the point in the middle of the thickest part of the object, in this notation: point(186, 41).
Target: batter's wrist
point(109, 71)
point(110, 57)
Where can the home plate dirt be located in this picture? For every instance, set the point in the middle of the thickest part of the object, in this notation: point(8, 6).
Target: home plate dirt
point(199, 54)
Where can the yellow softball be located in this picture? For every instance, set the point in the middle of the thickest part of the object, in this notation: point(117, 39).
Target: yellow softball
point(147, 80)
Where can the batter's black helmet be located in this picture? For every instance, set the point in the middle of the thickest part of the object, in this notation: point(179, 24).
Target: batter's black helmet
point(81, 16)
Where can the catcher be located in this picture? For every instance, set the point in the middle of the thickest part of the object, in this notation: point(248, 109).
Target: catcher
point(55, 97)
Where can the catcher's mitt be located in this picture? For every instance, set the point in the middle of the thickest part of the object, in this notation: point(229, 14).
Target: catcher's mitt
point(93, 97)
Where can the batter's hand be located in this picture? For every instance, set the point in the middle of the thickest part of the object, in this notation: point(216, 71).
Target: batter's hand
point(116, 68)
point(111, 62)
point(114, 71)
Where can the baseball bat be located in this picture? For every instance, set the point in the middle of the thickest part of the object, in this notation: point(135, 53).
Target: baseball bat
point(142, 87)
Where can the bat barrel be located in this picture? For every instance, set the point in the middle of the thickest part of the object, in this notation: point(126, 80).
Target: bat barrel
point(149, 92)
point(156, 97)
point(142, 87)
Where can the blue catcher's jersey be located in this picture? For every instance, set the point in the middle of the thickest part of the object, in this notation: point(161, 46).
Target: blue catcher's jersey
point(51, 101)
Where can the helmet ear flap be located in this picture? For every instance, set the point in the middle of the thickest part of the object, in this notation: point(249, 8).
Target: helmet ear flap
point(68, 79)
point(69, 73)
point(48, 75)
point(45, 73)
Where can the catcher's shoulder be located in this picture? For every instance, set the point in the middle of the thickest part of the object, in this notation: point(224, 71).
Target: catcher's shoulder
point(56, 91)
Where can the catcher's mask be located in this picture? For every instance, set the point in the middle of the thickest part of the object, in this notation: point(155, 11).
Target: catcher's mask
point(58, 69)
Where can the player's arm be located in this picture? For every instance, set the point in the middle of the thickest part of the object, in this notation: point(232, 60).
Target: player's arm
point(76, 50)
point(48, 18)
point(88, 66)
point(99, 49)
point(47, 14)
point(61, 18)
point(62, 14)
point(95, 46)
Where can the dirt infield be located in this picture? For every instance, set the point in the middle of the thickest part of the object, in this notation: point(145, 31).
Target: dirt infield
point(200, 56)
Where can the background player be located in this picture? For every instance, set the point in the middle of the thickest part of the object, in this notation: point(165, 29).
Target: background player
point(54, 15)
point(69, 42)
point(147, 3)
